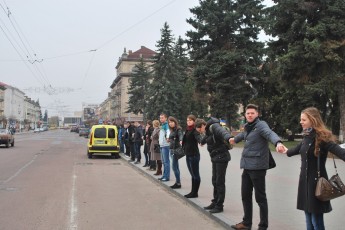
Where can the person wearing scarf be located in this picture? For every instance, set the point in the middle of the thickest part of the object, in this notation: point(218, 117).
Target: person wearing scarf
point(190, 141)
point(317, 141)
point(255, 162)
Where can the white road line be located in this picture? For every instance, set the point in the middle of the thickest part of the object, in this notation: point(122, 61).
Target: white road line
point(20, 170)
point(73, 225)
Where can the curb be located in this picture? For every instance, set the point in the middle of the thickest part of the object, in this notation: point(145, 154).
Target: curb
point(219, 218)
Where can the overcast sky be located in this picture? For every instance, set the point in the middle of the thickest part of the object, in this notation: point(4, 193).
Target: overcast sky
point(74, 45)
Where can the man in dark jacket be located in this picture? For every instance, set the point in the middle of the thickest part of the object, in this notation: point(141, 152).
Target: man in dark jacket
point(138, 141)
point(255, 162)
point(217, 139)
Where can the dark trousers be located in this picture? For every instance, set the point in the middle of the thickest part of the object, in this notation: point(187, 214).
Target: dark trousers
point(254, 179)
point(218, 182)
point(132, 150)
point(137, 146)
point(193, 166)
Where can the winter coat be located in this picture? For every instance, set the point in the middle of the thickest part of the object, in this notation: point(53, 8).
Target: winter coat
point(255, 155)
point(215, 140)
point(175, 136)
point(155, 155)
point(138, 135)
point(190, 142)
point(306, 199)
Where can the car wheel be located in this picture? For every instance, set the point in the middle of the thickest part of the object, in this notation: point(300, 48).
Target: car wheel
point(8, 144)
point(12, 144)
point(89, 155)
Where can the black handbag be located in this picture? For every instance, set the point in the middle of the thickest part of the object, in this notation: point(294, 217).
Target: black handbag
point(157, 148)
point(179, 152)
point(328, 189)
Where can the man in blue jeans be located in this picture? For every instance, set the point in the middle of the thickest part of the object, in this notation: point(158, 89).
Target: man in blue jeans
point(164, 145)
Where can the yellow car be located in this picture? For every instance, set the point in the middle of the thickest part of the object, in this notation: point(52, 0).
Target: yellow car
point(103, 140)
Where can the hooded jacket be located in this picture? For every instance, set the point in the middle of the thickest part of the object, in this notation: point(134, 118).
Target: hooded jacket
point(215, 140)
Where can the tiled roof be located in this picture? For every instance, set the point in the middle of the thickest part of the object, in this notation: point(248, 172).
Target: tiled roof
point(142, 52)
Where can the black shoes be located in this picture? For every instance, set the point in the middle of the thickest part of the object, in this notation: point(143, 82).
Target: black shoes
point(175, 186)
point(191, 195)
point(210, 207)
point(216, 210)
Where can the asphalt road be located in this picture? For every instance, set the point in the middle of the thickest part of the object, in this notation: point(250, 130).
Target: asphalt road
point(47, 182)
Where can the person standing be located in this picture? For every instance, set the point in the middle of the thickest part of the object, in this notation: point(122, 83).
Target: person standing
point(138, 141)
point(190, 145)
point(317, 142)
point(164, 147)
point(155, 148)
point(175, 140)
point(147, 138)
point(216, 140)
point(255, 162)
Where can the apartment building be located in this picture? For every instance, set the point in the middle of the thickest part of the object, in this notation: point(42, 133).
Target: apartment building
point(119, 88)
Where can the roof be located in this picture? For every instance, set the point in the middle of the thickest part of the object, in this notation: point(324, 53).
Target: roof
point(143, 52)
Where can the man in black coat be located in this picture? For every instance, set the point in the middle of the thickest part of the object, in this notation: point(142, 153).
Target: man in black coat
point(217, 140)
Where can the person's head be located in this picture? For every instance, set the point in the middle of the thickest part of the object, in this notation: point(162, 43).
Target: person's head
point(172, 122)
point(148, 123)
point(311, 118)
point(155, 123)
point(191, 120)
point(200, 125)
point(163, 118)
point(126, 124)
point(252, 112)
point(136, 123)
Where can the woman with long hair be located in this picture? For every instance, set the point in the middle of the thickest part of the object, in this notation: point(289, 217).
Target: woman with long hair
point(317, 142)
point(175, 140)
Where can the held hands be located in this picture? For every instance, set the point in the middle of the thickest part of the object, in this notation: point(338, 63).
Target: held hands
point(280, 148)
point(232, 141)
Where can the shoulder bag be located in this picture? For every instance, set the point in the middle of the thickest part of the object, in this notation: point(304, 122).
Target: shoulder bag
point(179, 151)
point(328, 189)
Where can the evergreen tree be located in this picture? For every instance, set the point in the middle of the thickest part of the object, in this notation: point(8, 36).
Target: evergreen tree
point(310, 51)
point(137, 90)
point(165, 89)
point(225, 52)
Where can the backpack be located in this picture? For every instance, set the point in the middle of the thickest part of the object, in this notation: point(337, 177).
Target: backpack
point(225, 142)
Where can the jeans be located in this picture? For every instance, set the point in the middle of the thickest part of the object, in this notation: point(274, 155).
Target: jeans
point(137, 146)
point(175, 167)
point(166, 162)
point(218, 182)
point(254, 179)
point(314, 221)
point(193, 166)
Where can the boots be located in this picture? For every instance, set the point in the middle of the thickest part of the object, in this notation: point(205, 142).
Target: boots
point(159, 168)
point(195, 189)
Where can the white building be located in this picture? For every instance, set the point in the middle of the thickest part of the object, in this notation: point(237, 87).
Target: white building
point(14, 106)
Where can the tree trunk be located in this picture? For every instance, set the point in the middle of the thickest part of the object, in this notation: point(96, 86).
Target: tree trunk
point(342, 111)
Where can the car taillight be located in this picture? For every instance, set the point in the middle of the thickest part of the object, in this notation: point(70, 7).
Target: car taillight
point(90, 139)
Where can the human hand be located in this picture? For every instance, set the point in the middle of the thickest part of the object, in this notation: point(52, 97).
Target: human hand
point(232, 141)
point(280, 148)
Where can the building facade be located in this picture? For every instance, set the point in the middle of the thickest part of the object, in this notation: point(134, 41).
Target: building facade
point(119, 96)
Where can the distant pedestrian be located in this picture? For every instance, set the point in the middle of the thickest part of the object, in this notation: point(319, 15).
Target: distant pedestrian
point(147, 138)
point(138, 141)
point(155, 148)
point(164, 146)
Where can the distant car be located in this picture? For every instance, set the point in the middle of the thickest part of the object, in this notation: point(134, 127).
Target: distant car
point(84, 132)
point(6, 138)
point(103, 140)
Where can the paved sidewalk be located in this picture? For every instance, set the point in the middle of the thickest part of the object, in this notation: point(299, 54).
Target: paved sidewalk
point(281, 184)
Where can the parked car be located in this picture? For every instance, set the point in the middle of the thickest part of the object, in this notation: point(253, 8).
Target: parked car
point(103, 140)
point(6, 138)
point(84, 132)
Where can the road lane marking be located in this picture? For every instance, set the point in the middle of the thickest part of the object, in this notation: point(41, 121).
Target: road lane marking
point(73, 225)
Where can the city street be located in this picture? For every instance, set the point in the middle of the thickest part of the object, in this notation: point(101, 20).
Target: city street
point(47, 182)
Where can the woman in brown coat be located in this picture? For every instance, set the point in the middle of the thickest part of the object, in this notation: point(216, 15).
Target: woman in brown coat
point(154, 148)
